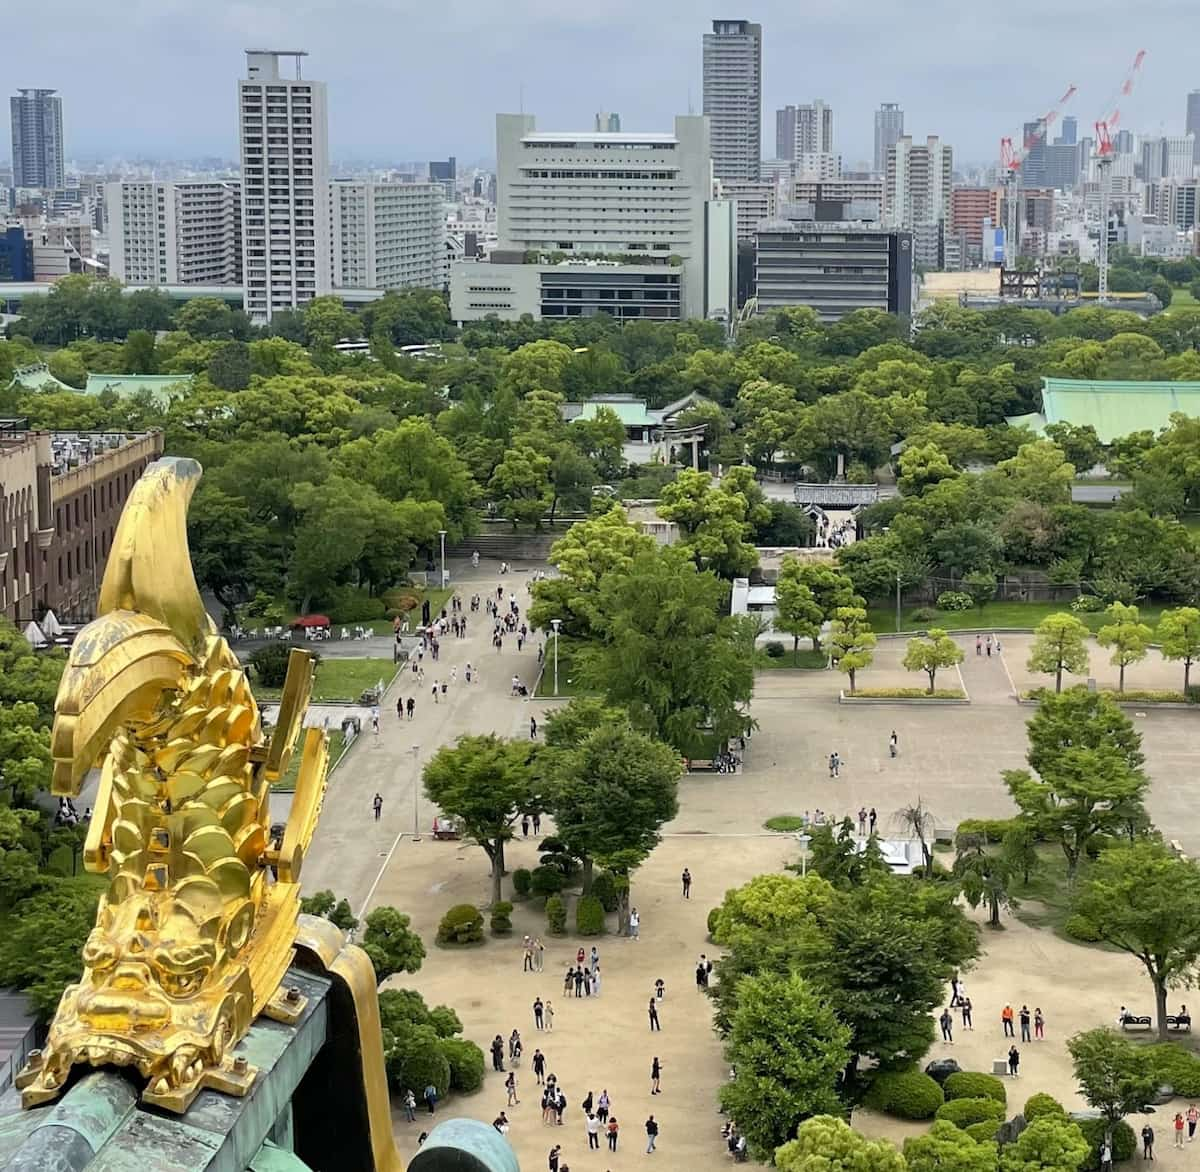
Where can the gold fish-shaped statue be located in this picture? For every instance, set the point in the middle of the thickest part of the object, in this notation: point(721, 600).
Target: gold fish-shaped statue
point(197, 926)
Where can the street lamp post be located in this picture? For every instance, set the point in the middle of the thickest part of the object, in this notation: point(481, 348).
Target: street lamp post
point(442, 535)
point(897, 602)
point(416, 752)
point(803, 840)
point(555, 623)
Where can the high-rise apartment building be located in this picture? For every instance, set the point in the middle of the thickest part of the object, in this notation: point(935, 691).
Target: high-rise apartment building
point(39, 159)
point(917, 191)
point(185, 233)
point(889, 126)
point(756, 202)
point(733, 97)
point(1192, 124)
point(608, 122)
point(804, 130)
point(969, 207)
point(1174, 201)
point(388, 235)
point(1068, 135)
point(445, 172)
point(1168, 157)
point(284, 133)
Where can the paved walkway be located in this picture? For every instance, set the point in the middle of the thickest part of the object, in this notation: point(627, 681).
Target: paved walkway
point(351, 848)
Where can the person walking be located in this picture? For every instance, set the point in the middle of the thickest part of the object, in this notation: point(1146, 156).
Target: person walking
point(1105, 1157)
point(654, 1016)
point(1039, 1024)
point(1014, 1060)
point(538, 1009)
point(893, 743)
point(592, 1127)
point(528, 950)
point(947, 1023)
point(1024, 1016)
point(978, 645)
point(1147, 1142)
point(532, 728)
point(497, 1053)
point(612, 1129)
point(1006, 1020)
point(430, 1096)
point(377, 802)
point(410, 705)
point(550, 1016)
point(635, 924)
point(510, 1085)
point(1178, 1130)
point(965, 1006)
point(552, 1162)
point(594, 959)
point(686, 880)
point(539, 953)
point(862, 822)
point(833, 765)
point(1193, 1117)
point(655, 1075)
point(539, 1067)
point(651, 1134)
point(602, 1105)
point(410, 1104)
point(872, 817)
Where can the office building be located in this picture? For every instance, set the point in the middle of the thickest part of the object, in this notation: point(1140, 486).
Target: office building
point(445, 172)
point(39, 158)
point(803, 130)
point(388, 235)
point(1068, 135)
point(889, 127)
point(284, 134)
point(756, 202)
point(970, 207)
point(833, 268)
point(1168, 157)
point(916, 196)
point(1061, 165)
point(1173, 201)
point(1192, 124)
point(16, 254)
point(608, 122)
point(63, 495)
point(185, 233)
point(733, 97)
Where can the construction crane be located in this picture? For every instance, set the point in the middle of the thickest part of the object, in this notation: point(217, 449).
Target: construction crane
point(1010, 161)
point(1105, 148)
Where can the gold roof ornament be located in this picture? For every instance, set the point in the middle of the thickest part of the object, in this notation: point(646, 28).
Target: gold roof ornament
point(198, 924)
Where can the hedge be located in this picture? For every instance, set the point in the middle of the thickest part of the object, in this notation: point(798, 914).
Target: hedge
point(416, 1059)
point(963, 1112)
point(462, 924)
point(954, 600)
point(1178, 1067)
point(604, 888)
point(502, 918)
point(1124, 1142)
point(556, 916)
point(1040, 1105)
point(993, 829)
point(445, 1021)
point(907, 694)
point(967, 1084)
point(546, 881)
point(589, 916)
point(522, 877)
point(985, 1130)
point(466, 1065)
point(909, 1094)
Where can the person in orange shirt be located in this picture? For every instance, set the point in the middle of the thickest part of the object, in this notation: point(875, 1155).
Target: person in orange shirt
point(1006, 1017)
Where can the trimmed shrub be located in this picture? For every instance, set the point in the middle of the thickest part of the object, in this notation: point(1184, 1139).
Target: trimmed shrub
point(924, 614)
point(984, 1131)
point(993, 829)
point(349, 604)
point(966, 1084)
point(954, 600)
point(1087, 604)
point(909, 1094)
point(963, 1112)
point(556, 916)
point(444, 1021)
point(1078, 928)
point(401, 598)
point(589, 916)
point(785, 823)
point(415, 1059)
point(462, 924)
point(775, 650)
point(1040, 1105)
point(270, 664)
point(1124, 1142)
point(502, 918)
point(909, 694)
point(522, 877)
point(466, 1066)
point(604, 888)
point(1177, 1066)
point(546, 881)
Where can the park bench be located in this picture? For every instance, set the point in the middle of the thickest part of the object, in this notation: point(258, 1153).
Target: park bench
point(446, 829)
point(1179, 1024)
point(699, 765)
point(1132, 1021)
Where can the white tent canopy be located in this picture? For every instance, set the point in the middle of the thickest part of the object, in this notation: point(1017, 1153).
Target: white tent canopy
point(34, 637)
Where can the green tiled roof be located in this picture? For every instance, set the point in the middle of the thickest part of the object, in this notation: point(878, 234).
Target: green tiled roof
point(38, 378)
point(632, 413)
point(1117, 408)
point(164, 387)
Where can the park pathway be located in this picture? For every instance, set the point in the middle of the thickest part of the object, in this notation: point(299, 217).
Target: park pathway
point(351, 848)
point(987, 679)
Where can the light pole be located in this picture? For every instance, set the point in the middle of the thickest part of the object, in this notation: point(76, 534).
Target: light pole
point(897, 602)
point(555, 623)
point(442, 535)
point(416, 752)
point(803, 840)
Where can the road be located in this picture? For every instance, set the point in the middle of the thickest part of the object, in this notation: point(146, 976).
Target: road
point(1082, 494)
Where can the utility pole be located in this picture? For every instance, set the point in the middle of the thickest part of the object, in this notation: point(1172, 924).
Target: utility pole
point(556, 623)
point(416, 752)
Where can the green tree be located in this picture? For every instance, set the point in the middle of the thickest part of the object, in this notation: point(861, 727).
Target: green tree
point(19, 835)
point(24, 752)
point(207, 319)
point(540, 365)
point(521, 484)
point(1178, 636)
point(715, 519)
point(569, 725)
point(230, 367)
point(985, 877)
point(1116, 1076)
point(68, 367)
point(1129, 638)
point(787, 1049)
point(947, 1148)
point(228, 547)
point(1049, 1144)
point(831, 590)
point(138, 355)
point(827, 1143)
point(796, 609)
point(1059, 645)
point(921, 466)
point(327, 905)
point(931, 652)
point(682, 669)
point(391, 944)
point(981, 586)
point(1038, 472)
point(1144, 900)
point(851, 641)
point(610, 795)
point(486, 782)
point(1088, 777)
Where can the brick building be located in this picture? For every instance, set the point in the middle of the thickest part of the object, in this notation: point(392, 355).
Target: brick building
point(61, 495)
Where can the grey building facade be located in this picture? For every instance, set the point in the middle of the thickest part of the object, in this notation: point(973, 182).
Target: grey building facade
point(39, 159)
point(889, 126)
point(733, 97)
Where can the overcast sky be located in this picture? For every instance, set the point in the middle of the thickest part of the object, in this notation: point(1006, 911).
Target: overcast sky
point(415, 79)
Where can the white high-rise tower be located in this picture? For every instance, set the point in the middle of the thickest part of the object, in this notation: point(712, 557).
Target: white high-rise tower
point(284, 131)
point(733, 97)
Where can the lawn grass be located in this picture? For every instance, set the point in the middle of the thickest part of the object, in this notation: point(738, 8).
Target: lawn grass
point(1181, 298)
point(337, 746)
point(341, 679)
point(785, 823)
point(996, 616)
point(806, 659)
point(567, 684)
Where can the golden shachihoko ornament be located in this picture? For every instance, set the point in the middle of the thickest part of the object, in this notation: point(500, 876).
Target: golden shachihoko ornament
point(198, 923)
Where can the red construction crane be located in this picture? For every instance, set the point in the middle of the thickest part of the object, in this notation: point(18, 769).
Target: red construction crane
point(1011, 159)
point(1105, 148)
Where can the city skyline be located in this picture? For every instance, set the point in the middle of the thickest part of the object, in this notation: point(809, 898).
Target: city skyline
point(388, 102)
